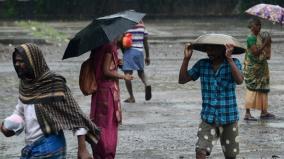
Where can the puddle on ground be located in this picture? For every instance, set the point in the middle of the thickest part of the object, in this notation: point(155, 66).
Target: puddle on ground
point(275, 125)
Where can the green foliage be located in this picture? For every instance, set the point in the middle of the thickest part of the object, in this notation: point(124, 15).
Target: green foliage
point(43, 30)
point(10, 8)
point(50, 9)
point(40, 6)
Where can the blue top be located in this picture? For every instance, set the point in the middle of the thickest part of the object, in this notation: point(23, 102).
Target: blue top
point(219, 104)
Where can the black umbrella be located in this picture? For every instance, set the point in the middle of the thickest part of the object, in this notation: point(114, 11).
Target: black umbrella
point(101, 31)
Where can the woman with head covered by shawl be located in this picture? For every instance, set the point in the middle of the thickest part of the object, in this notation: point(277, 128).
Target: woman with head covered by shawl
point(47, 108)
point(105, 105)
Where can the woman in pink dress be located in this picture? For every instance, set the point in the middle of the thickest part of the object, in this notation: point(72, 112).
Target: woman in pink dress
point(105, 105)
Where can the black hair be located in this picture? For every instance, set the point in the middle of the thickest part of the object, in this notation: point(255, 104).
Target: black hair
point(254, 21)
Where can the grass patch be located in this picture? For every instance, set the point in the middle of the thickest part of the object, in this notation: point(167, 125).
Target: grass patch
point(43, 30)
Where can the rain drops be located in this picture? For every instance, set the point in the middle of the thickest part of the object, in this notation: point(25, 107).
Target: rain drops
point(213, 132)
point(208, 149)
point(221, 130)
point(237, 139)
point(227, 142)
point(224, 148)
point(205, 137)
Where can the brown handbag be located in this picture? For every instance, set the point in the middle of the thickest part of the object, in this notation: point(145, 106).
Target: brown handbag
point(87, 78)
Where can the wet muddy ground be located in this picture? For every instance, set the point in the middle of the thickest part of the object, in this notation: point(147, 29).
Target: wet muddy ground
point(166, 126)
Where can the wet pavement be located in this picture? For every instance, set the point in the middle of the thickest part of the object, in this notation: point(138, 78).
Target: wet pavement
point(166, 126)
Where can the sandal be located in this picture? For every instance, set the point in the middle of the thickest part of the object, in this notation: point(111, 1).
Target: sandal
point(249, 118)
point(267, 116)
point(148, 93)
point(129, 100)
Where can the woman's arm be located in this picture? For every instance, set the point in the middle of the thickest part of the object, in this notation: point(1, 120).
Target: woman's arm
point(113, 74)
point(258, 50)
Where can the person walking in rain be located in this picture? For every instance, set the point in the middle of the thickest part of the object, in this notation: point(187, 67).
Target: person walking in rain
point(219, 73)
point(133, 59)
point(105, 104)
point(256, 72)
point(45, 109)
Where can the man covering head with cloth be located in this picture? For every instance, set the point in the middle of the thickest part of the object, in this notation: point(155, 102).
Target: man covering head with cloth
point(47, 108)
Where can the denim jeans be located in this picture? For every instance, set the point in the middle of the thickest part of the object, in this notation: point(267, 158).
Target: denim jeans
point(52, 146)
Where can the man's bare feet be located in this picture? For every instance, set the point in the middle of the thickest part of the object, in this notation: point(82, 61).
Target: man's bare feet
point(129, 100)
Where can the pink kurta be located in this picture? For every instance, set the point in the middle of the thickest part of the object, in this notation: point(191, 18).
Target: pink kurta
point(105, 105)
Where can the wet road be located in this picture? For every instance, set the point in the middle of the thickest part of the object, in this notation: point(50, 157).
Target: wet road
point(166, 126)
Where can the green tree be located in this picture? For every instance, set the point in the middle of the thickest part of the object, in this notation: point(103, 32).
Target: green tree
point(10, 8)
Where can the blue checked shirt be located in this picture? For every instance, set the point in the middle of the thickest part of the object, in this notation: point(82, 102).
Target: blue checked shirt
point(219, 103)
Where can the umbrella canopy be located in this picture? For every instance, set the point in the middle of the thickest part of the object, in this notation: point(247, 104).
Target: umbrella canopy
point(273, 13)
point(101, 31)
point(203, 41)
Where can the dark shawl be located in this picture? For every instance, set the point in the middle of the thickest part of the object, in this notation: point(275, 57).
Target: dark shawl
point(55, 107)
